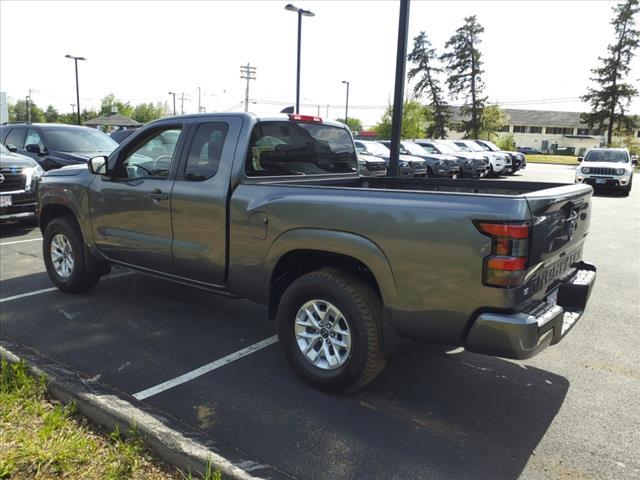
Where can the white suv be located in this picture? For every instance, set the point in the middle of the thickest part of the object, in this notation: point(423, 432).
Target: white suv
point(606, 167)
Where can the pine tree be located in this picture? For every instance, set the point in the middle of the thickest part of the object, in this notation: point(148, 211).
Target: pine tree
point(612, 95)
point(464, 67)
point(424, 57)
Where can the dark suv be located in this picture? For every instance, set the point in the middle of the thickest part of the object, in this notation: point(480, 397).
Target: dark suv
point(19, 177)
point(55, 145)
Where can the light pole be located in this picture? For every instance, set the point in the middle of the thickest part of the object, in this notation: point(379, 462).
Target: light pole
point(346, 104)
point(398, 95)
point(174, 102)
point(75, 60)
point(306, 13)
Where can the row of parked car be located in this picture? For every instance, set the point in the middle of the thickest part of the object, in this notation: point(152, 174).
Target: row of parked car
point(440, 158)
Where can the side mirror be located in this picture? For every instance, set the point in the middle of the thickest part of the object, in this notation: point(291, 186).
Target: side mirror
point(580, 159)
point(98, 165)
point(11, 148)
point(634, 161)
point(34, 148)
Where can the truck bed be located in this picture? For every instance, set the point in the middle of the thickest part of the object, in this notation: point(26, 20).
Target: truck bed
point(441, 185)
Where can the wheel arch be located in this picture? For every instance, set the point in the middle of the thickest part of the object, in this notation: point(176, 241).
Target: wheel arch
point(301, 251)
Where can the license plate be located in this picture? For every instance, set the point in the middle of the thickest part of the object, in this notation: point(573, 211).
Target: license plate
point(5, 201)
point(601, 180)
point(454, 176)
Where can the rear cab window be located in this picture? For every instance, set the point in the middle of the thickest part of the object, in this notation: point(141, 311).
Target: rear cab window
point(283, 148)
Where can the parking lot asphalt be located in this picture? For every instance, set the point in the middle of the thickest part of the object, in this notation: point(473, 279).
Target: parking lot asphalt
point(571, 412)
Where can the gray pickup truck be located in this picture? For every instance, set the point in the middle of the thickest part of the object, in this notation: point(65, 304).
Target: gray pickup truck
point(273, 210)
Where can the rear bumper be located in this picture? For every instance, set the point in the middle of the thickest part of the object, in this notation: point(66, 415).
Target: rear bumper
point(523, 335)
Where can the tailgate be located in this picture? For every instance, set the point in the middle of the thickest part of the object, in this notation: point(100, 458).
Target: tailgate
point(560, 219)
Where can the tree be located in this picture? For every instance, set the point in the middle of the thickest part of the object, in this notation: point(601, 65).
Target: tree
point(414, 116)
point(612, 95)
point(354, 124)
point(18, 112)
point(109, 103)
point(506, 142)
point(51, 115)
point(424, 58)
point(146, 112)
point(492, 120)
point(464, 67)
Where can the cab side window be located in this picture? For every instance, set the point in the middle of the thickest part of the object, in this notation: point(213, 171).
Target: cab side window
point(16, 138)
point(152, 158)
point(33, 138)
point(205, 152)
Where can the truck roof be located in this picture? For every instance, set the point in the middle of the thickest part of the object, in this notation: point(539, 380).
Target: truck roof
point(281, 117)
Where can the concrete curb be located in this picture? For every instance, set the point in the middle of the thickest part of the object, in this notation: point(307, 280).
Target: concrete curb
point(173, 441)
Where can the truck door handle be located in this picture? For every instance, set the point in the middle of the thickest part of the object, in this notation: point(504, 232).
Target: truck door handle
point(156, 194)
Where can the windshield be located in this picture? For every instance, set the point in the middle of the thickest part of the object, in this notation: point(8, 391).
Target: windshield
point(489, 146)
point(414, 148)
point(446, 148)
point(614, 156)
point(471, 146)
point(376, 148)
point(79, 140)
point(292, 148)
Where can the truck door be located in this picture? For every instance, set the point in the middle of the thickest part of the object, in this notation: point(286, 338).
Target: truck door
point(130, 209)
point(199, 201)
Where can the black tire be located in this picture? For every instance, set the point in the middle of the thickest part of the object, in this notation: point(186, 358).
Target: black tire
point(85, 273)
point(361, 310)
point(627, 190)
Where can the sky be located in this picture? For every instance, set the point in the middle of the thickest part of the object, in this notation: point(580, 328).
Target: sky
point(537, 55)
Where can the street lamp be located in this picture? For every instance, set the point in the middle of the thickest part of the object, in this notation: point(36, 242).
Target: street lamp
point(75, 60)
point(346, 104)
point(174, 102)
point(306, 13)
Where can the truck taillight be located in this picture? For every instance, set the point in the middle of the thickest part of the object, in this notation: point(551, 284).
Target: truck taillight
point(507, 264)
point(304, 118)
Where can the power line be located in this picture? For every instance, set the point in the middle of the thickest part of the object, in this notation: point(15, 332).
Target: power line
point(248, 73)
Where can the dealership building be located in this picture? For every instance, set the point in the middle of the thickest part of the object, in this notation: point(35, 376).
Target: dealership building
point(545, 130)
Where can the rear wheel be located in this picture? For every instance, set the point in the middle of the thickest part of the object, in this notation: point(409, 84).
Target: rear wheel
point(64, 257)
point(329, 324)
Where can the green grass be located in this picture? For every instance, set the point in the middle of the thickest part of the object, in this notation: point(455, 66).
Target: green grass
point(558, 159)
point(42, 439)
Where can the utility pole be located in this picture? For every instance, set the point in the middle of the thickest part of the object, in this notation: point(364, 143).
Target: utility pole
point(173, 94)
point(29, 103)
point(200, 107)
point(182, 99)
point(248, 73)
point(73, 109)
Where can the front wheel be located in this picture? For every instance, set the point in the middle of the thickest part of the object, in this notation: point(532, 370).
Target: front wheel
point(64, 257)
point(329, 324)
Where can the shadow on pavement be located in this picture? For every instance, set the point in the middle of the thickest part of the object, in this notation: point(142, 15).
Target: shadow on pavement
point(429, 414)
point(16, 230)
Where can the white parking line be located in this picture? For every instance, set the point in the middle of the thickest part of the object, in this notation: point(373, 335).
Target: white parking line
point(21, 241)
point(52, 289)
point(232, 357)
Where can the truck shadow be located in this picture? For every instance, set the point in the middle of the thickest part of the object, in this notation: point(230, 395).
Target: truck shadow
point(430, 414)
point(488, 413)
